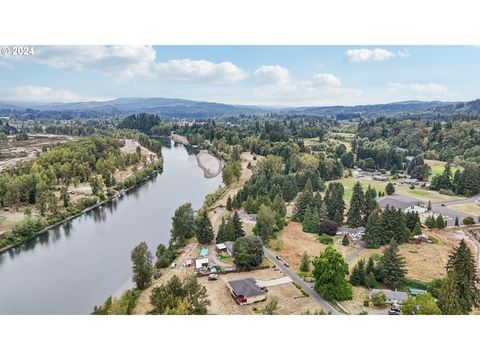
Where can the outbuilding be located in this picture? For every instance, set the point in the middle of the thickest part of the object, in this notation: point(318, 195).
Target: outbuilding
point(201, 264)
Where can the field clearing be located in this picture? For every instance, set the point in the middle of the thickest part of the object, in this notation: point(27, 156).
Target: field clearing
point(355, 306)
point(349, 182)
point(424, 195)
point(438, 167)
point(471, 208)
point(13, 152)
point(292, 242)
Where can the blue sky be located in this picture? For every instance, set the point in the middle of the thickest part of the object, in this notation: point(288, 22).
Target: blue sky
point(259, 75)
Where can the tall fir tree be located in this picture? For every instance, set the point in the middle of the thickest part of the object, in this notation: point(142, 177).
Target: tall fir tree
point(462, 263)
point(392, 267)
point(229, 204)
point(373, 231)
point(357, 205)
point(237, 226)
point(204, 230)
point(358, 273)
point(449, 298)
point(370, 203)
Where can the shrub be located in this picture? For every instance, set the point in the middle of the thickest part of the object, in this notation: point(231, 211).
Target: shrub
point(468, 221)
point(378, 298)
point(328, 227)
point(446, 192)
point(325, 239)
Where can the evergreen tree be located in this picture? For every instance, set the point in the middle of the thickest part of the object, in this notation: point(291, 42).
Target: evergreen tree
point(305, 263)
point(440, 222)
point(389, 189)
point(311, 221)
point(345, 240)
point(64, 196)
point(250, 205)
point(358, 273)
point(142, 265)
point(204, 230)
point(462, 263)
point(370, 266)
point(304, 200)
point(373, 231)
point(229, 204)
point(370, 203)
point(338, 218)
point(449, 299)
point(279, 206)
point(392, 267)
point(334, 202)
point(456, 220)
point(322, 212)
point(418, 229)
point(357, 203)
point(237, 226)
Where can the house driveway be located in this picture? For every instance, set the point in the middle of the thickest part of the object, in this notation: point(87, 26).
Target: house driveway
point(273, 282)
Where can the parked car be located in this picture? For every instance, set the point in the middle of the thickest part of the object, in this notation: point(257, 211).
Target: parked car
point(286, 264)
point(212, 277)
point(173, 265)
point(157, 275)
point(278, 257)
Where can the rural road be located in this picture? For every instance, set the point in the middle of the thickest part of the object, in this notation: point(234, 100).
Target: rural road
point(304, 285)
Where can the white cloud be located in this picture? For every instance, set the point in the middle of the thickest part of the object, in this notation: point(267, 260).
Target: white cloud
point(38, 94)
point(272, 74)
point(428, 88)
point(403, 53)
point(275, 86)
point(200, 71)
point(129, 62)
point(362, 55)
point(123, 62)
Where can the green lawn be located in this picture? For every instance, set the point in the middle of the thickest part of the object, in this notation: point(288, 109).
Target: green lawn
point(348, 184)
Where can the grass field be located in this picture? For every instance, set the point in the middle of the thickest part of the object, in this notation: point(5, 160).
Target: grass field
point(348, 184)
point(424, 195)
point(438, 167)
point(472, 208)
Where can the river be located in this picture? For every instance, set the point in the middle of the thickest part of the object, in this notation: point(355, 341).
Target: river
point(78, 264)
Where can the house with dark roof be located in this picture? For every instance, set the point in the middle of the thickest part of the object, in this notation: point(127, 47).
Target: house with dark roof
point(385, 201)
point(246, 291)
point(392, 297)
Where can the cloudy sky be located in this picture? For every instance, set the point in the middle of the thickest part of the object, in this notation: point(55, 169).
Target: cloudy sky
point(260, 75)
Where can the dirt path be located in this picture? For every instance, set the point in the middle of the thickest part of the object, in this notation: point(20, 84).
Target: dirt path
point(219, 208)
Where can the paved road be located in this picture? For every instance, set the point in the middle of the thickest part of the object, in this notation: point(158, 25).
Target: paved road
point(303, 284)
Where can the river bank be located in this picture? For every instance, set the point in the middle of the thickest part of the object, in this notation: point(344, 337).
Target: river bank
point(211, 165)
point(118, 193)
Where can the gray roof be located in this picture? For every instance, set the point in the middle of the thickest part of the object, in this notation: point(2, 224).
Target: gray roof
point(246, 287)
point(390, 201)
point(348, 230)
point(229, 246)
point(399, 296)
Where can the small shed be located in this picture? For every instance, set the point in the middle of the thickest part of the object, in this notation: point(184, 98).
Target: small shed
point(229, 246)
point(222, 247)
point(201, 264)
point(415, 292)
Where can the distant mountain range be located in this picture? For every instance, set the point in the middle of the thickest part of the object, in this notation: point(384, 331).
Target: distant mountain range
point(180, 108)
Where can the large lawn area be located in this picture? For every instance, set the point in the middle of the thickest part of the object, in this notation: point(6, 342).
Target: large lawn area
point(471, 208)
point(348, 184)
point(438, 167)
